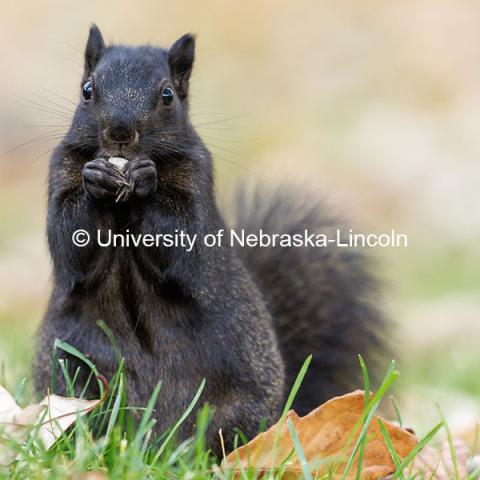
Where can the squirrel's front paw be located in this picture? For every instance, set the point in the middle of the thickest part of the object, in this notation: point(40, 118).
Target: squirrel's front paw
point(141, 176)
point(101, 179)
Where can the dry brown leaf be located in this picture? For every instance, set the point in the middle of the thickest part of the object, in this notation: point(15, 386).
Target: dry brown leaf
point(324, 434)
point(53, 415)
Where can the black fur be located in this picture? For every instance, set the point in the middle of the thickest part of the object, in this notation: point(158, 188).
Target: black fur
point(324, 301)
point(180, 317)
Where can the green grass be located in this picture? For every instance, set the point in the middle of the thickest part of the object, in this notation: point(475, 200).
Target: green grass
point(129, 450)
point(458, 374)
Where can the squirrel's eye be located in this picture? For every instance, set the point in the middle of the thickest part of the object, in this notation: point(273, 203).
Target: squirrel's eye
point(167, 96)
point(87, 90)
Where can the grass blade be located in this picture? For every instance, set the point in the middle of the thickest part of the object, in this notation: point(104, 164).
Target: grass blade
point(390, 377)
point(143, 427)
point(391, 449)
point(179, 422)
point(453, 452)
point(418, 448)
point(60, 344)
point(307, 474)
point(366, 383)
point(397, 411)
point(288, 405)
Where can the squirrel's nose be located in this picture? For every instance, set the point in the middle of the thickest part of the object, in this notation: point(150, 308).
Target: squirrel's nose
point(120, 133)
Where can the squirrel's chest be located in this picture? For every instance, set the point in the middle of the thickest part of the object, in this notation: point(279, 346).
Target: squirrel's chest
point(155, 316)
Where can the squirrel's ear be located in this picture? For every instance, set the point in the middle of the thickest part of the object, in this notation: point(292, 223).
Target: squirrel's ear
point(180, 59)
point(93, 50)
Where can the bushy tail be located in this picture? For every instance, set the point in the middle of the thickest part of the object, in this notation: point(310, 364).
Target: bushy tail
point(324, 301)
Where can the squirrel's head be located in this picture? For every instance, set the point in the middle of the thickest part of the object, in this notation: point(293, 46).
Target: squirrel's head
point(135, 99)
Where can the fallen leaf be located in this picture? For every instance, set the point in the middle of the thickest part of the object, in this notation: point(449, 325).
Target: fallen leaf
point(15, 425)
point(324, 435)
point(8, 406)
point(61, 413)
point(52, 416)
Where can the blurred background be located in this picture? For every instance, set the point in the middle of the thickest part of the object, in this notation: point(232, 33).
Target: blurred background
point(374, 104)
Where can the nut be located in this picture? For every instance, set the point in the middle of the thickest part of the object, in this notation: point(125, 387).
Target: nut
point(119, 162)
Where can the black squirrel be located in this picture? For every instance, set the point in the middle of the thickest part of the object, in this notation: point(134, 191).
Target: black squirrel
point(244, 319)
